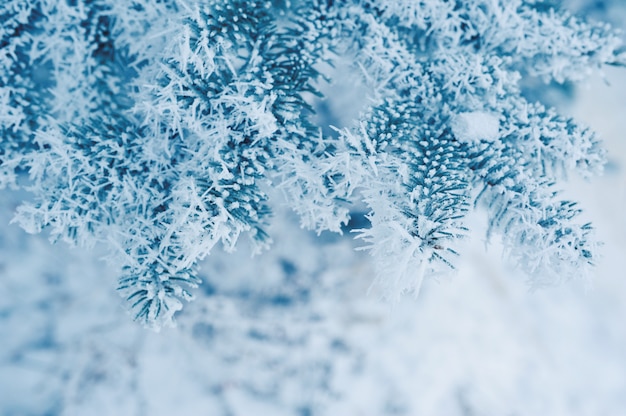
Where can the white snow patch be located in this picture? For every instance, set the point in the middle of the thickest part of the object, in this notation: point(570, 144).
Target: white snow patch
point(475, 126)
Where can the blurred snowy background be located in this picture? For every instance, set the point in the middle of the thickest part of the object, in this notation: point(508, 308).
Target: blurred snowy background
point(294, 331)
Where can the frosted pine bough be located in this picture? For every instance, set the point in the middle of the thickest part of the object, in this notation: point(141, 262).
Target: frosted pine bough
point(157, 128)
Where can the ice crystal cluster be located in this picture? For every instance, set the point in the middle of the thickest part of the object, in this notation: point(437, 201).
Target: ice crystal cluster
point(161, 128)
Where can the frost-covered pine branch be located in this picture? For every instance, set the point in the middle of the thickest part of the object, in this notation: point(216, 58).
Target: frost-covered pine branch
point(159, 129)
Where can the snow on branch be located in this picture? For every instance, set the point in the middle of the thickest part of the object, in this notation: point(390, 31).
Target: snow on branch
point(159, 128)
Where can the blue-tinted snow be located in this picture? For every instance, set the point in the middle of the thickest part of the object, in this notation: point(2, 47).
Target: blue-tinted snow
point(254, 343)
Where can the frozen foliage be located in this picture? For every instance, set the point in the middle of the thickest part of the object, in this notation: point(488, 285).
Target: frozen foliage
point(159, 128)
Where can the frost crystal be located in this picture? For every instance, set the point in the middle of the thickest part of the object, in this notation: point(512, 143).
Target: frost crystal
point(161, 129)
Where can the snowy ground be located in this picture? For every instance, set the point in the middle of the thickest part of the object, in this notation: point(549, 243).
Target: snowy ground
point(294, 332)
